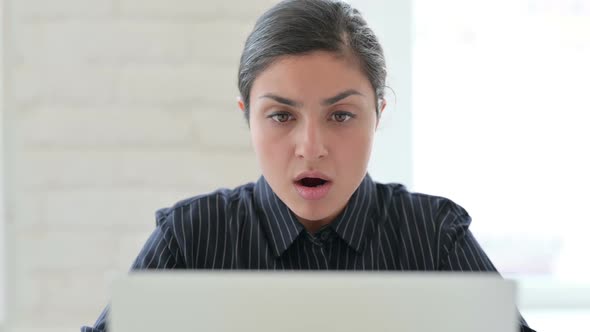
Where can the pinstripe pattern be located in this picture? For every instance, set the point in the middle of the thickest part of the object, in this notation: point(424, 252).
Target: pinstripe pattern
point(383, 227)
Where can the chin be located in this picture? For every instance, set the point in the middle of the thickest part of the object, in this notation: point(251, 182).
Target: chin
point(312, 213)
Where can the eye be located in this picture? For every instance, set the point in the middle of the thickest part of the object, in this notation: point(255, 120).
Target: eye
point(281, 117)
point(341, 116)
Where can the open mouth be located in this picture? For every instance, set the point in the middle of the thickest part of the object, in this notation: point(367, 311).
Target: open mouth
point(312, 182)
point(313, 185)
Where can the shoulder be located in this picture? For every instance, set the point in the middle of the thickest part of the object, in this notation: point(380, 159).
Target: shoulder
point(398, 203)
point(214, 203)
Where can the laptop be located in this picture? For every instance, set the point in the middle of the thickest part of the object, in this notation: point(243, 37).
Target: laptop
point(210, 301)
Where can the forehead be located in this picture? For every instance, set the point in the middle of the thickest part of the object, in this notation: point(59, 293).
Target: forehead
point(314, 75)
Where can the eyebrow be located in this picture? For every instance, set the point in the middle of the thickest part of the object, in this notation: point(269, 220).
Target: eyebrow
point(340, 96)
point(282, 100)
point(325, 102)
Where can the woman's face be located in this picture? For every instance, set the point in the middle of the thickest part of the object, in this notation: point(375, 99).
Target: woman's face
point(312, 121)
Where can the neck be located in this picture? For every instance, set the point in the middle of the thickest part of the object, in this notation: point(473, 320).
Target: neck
point(313, 226)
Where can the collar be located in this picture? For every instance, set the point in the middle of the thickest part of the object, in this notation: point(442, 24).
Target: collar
point(282, 227)
point(352, 225)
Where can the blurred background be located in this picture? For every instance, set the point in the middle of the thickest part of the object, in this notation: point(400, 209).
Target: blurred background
point(111, 109)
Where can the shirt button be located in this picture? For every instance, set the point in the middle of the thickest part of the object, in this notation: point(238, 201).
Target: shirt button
point(325, 236)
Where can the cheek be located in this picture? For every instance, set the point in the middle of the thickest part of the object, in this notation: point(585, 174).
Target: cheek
point(257, 135)
point(268, 148)
point(357, 154)
point(355, 145)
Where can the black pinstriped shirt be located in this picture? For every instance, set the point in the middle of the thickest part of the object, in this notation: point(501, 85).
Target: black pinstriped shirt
point(383, 227)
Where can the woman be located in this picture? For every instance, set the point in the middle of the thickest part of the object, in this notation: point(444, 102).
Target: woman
point(312, 79)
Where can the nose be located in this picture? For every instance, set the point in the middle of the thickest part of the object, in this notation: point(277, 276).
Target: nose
point(310, 144)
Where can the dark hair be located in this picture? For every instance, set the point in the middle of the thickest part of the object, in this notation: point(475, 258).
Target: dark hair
point(297, 27)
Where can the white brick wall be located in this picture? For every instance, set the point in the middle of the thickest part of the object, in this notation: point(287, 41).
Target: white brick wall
point(108, 41)
point(62, 83)
point(172, 83)
point(59, 8)
point(105, 126)
point(113, 109)
point(193, 9)
point(152, 167)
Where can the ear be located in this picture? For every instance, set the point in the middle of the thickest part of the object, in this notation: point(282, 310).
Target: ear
point(241, 104)
point(382, 105)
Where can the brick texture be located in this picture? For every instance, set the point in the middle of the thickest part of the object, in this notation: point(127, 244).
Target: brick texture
point(115, 108)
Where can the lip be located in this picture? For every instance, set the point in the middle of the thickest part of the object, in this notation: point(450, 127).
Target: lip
point(313, 174)
point(313, 193)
